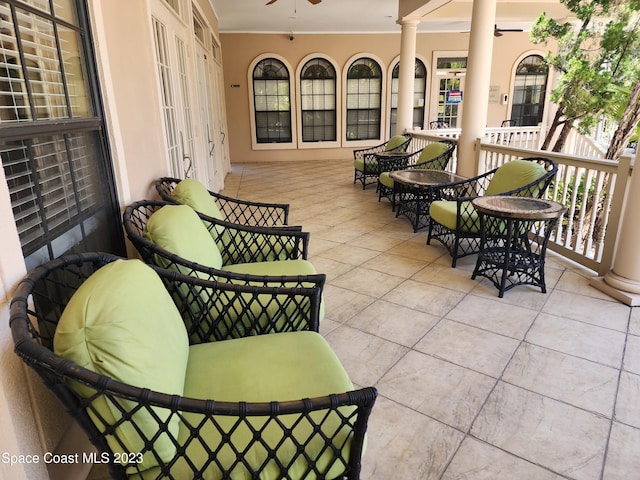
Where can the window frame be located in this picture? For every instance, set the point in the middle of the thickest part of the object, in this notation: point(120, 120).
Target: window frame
point(546, 90)
point(396, 64)
point(338, 104)
point(383, 102)
point(56, 138)
point(255, 145)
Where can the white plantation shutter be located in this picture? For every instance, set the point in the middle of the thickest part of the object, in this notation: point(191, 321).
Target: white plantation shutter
point(51, 141)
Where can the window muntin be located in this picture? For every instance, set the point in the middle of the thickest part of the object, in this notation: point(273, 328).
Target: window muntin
point(529, 90)
point(419, 92)
point(60, 182)
point(318, 101)
point(364, 98)
point(272, 102)
point(41, 75)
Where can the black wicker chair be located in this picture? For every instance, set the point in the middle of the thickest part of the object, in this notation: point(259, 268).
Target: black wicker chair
point(368, 164)
point(149, 430)
point(283, 274)
point(454, 221)
point(237, 244)
point(430, 157)
point(235, 210)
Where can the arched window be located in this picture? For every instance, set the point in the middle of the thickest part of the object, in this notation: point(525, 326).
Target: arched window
point(530, 86)
point(364, 95)
point(272, 102)
point(419, 89)
point(318, 101)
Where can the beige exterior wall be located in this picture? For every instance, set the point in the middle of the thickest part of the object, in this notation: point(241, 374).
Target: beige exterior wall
point(240, 50)
point(32, 420)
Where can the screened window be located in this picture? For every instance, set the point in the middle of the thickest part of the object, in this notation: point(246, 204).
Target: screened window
point(318, 101)
point(52, 148)
point(529, 91)
point(272, 102)
point(364, 95)
point(419, 90)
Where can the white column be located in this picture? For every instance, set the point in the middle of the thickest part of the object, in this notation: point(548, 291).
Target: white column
point(476, 88)
point(406, 75)
point(623, 281)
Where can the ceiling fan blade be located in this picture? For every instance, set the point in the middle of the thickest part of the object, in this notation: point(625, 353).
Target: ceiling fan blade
point(270, 2)
point(314, 2)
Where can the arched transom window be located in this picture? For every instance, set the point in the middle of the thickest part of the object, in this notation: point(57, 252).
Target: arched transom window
point(419, 89)
point(272, 101)
point(318, 101)
point(529, 90)
point(364, 94)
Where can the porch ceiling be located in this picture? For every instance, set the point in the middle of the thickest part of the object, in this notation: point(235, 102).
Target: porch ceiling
point(367, 16)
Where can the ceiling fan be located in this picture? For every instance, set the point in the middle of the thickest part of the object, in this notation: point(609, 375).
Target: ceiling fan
point(312, 2)
point(497, 32)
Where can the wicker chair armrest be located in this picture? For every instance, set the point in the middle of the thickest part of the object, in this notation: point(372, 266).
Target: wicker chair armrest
point(214, 310)
point(393, 163)
point(245, 212)
point(463, 189)
point(245, 243)
point(361, 152)
point(248, 212)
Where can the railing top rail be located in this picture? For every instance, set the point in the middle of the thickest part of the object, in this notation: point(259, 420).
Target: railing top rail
point(572, 160)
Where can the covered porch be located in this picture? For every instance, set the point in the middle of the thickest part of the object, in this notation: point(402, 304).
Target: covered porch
point(471, 386)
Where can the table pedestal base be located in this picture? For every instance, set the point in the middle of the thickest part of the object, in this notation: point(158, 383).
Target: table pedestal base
point(512, 252)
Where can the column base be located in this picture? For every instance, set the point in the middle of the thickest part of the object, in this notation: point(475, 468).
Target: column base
point(620, 288)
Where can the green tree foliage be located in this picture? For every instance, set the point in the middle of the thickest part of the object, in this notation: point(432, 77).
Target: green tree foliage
point(595, 54)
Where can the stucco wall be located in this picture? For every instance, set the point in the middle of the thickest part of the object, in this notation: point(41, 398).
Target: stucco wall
point(240, 50)
point(128, 81)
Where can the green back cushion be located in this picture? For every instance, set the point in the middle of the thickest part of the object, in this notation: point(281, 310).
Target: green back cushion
point(122, 323)
point(178, 229)
point(395, 142)
point(432, 151)
point(513, 175)
point(193, 193)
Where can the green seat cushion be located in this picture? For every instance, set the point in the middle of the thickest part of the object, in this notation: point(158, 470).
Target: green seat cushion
point(432, 151)
point(394, 142)
point(178, 229)
point(386, 180)
point(513, 175)
point(445, 212)
point(265, 368)
point(122, 323)
point(372, 164)
point(280, 268)
point(193, 193)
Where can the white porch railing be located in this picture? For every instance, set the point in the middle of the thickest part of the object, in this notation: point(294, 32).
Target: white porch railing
point(592, 189)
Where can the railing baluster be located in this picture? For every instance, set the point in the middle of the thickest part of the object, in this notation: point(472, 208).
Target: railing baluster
point(581, 236)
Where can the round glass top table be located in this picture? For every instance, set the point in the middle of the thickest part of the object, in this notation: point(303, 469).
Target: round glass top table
point(514, 235)
point(424, 178)
point(415, 190)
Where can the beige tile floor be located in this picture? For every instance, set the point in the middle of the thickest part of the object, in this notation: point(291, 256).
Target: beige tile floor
point(471, 386)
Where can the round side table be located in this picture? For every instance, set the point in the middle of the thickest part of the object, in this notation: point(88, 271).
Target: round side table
point(514, 235)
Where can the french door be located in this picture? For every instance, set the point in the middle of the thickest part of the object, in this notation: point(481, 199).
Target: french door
point(450, 91)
